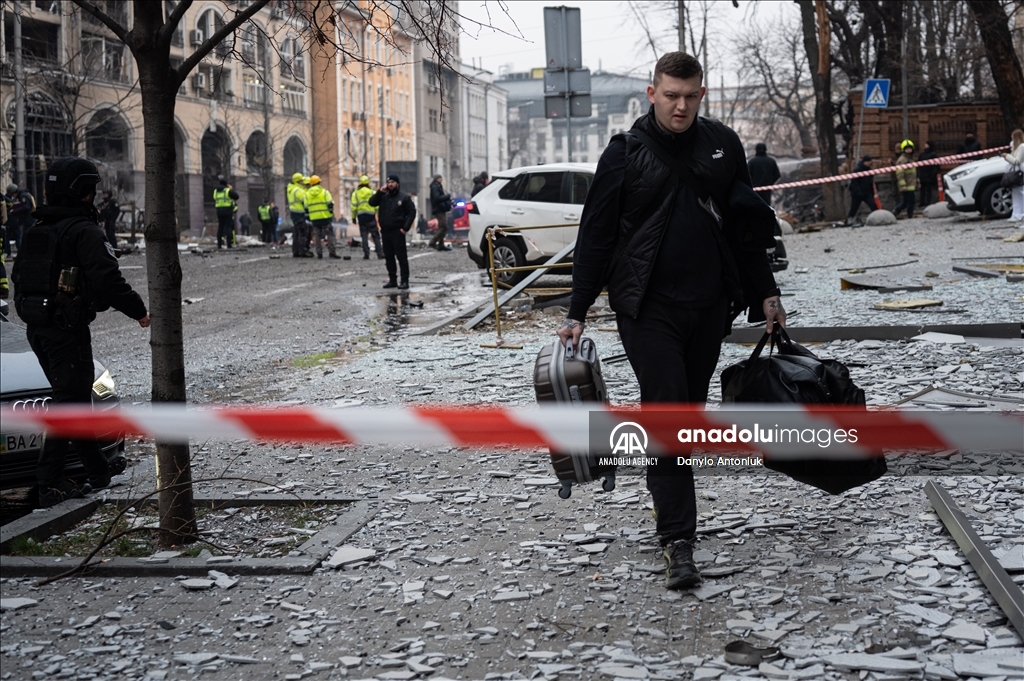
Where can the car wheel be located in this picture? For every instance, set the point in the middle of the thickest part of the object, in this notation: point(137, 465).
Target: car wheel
point(996, 200)
point(508, 254)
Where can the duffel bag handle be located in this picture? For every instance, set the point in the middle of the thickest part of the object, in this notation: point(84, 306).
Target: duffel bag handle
point(778, 337)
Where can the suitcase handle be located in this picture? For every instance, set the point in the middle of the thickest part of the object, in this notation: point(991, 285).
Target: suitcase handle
point(569, 352)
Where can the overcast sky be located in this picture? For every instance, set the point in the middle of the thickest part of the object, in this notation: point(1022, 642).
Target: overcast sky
point(613, 38)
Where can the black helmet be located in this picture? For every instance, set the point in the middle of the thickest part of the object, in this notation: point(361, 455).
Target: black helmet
point(70, 178)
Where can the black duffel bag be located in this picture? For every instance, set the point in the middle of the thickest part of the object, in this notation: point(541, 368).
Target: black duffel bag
point(794, 375)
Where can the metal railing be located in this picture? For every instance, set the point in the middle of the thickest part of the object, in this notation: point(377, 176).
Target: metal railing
point(491, 233)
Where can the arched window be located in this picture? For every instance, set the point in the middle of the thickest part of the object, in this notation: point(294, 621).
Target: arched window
point(293, 59)
point(209, 23)
point(256, 159)
point(106, 138)
point(294, 157)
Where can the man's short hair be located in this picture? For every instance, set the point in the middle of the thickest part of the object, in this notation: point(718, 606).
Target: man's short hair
point(678, 65)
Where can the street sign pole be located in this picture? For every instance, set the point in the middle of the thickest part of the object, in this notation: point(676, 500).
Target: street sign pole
point(876, 96)
point(566, 82)
point(860, 123)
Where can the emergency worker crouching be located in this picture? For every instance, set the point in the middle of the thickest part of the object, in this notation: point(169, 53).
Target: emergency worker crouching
point(65, 274)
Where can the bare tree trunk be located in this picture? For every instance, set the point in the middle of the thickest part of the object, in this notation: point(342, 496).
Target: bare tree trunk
point(159, 89)
point(1002, 59)
point(822, 79)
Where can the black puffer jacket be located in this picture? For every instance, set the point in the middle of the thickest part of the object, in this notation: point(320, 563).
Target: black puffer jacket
point(648, 196)
point(395, 210)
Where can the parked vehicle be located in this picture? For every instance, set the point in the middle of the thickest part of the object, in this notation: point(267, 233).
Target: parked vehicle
point(23, 386)
point(551, 194)
point(975, 186)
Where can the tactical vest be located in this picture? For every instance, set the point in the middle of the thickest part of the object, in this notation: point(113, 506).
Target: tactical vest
point(37, 298)
point(316, 203)
point(264, 213)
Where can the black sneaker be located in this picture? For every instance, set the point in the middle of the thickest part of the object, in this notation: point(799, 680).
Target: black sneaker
point(320, 256)
point(366, 256)
point(681, 572)
point(391, 284)
point(98, 482)
point(51, 496)
point(335, 256)
point(404, 285)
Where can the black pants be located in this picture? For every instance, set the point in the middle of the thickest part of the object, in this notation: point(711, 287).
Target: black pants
point(394, 247)
point(766, 196)
point(300, 234)
point(66, 358)
point(225, 227)
point(268, 234)
point(856, 200)
point(109, 228)
point(927, 191)
point(442, 230)
point(906, 201)
point(368, 230)
point(673, 352)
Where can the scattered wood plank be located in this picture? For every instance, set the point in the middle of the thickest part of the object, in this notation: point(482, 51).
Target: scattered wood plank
point(911, 304)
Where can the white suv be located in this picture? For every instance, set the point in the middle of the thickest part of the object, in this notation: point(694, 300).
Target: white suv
point(975, 186)
point(551, 194)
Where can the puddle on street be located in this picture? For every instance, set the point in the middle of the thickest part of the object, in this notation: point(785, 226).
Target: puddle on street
point(401, 311)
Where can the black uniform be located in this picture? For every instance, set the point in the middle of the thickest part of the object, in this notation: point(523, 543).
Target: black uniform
point(440, 204)
point(62, 344)
point(674, 284)
point(109, 213)
point(862, 190)
point(396, 213)
point(927, 177)
point(763, 172)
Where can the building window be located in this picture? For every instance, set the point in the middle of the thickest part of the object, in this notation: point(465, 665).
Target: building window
point(103, 58)
point(584, 142)
point(542, 142)
point(293, 60)
point(558, 141)
point(254, 92)
point(432, 120)
point(293, 100)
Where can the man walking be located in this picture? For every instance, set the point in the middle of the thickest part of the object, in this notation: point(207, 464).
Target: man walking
point(440, 204)
point(927, 176)
point(268, 215)
point(109, 213)
point(862, 190)
point(319, 205)
point(396, 214)
point(764, 171)
point(224, 201)
point(479, 182)
point(63, 276)
point(906, 179)
point(365, 216)
point(677, 274)
point(296, 208)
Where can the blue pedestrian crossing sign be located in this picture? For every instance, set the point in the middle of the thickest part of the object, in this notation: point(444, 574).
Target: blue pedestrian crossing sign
point(876, 93)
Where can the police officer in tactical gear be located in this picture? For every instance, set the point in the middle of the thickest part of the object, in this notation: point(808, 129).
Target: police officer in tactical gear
point(65, 274)
point(224, 200)
point(366, 215)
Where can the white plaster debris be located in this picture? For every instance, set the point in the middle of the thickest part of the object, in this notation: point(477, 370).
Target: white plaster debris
point(197, 584)
point(346, 555)
point(17, 603)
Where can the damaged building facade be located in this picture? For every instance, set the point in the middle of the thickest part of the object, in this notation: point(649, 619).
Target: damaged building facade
point(81, 97)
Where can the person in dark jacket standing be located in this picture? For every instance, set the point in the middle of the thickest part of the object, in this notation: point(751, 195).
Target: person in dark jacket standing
point(19, 215)
point(969, 144)
point(396, 214)
point(763, 171)
point(268, 215)
point(440, 205)
point(862, 190)
point(676, 273)
point(65, 274)
point(480, 181)
point(109, 213)
point(927, 176)
point(225, 202)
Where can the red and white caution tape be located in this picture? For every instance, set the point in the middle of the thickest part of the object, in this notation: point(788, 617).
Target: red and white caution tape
point(669, 430)
point(880, 171)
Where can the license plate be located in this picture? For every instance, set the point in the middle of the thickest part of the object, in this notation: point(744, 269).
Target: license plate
point(20, 443)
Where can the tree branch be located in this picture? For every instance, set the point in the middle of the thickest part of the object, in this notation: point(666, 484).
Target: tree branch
point(167, 30)
point(120, 31)
point(227, 29)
